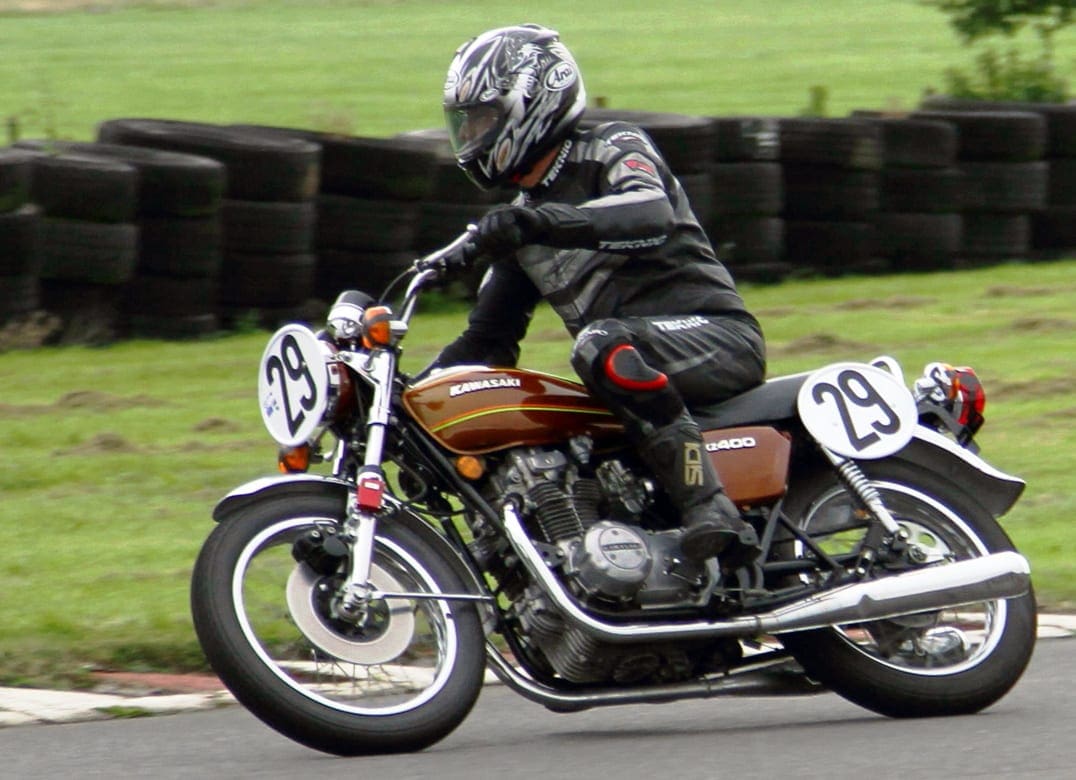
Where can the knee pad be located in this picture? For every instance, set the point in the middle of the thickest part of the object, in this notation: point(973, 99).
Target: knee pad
point(604, 355)
point(625, 368)
point(613, 369)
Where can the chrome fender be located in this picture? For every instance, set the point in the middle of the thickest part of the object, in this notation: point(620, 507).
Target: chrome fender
point(265, 487)
point(251, 493)
point(994, 489)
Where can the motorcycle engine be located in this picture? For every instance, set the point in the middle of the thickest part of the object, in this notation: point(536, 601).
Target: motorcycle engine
point(606, 558)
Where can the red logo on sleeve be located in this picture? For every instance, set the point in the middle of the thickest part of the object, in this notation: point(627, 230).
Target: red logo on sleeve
point(639, 165)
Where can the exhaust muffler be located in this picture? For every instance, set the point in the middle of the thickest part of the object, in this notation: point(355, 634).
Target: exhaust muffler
point(998, 576)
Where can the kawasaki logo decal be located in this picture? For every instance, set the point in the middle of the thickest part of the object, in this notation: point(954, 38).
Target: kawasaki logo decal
point(484, 384)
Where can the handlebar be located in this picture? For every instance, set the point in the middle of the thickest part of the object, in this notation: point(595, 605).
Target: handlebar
point(460, 253)
point(461, 250)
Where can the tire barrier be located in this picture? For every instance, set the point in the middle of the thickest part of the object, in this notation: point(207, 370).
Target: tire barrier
point(358, 167)
point(16, 173)
point(89, 240)
point(368, 207)
point(177, 209)
point(745, 221)
point(999, 154)
point(20, 238)
point(832, 193)
point(267, 212)
point(168, 184)
point(184, 227)
point(260, 166)
point(918, 224)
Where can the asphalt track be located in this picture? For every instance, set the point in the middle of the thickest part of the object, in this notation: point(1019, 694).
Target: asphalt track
point(1029, 733)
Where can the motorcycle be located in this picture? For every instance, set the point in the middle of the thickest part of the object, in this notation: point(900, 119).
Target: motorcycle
point(485, 518)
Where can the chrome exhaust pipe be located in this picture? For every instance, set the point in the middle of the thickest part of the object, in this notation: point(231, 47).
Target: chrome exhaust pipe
point(772, 676)
point(998, 576)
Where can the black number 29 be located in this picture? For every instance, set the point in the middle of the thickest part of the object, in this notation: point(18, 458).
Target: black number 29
point(853, 388)
point(289, 363)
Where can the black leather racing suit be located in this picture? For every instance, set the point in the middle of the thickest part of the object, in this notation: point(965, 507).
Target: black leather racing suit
point(629, 264)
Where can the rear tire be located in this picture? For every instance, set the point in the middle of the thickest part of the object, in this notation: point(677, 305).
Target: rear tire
point(398, 682)
point(918, 665)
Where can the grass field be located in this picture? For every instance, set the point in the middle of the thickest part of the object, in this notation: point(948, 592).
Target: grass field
point(115, 457)
point(375, 67)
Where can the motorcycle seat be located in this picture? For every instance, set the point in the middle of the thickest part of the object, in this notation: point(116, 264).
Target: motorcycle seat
point(771, 401)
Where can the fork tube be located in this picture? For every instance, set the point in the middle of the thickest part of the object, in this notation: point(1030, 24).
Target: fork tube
point(381, 368)
point(380, 371)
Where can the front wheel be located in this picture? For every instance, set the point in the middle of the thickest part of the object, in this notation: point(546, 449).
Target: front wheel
point(948, 662)
point(398, 679)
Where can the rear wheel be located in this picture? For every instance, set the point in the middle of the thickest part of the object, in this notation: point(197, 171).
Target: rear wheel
point(948, 662)
point(398, 679)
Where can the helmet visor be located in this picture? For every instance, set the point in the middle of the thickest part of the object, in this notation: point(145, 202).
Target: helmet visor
point(472, 129)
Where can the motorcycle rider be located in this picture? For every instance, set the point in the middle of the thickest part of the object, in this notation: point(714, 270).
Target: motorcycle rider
point(601, 230)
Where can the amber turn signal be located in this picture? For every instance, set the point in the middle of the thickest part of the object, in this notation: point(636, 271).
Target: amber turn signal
point(377, 327)
point(294, 460)
point(470, 467)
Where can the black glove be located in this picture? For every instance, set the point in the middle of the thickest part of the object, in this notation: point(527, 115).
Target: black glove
point(506, 229)
point(460, 259)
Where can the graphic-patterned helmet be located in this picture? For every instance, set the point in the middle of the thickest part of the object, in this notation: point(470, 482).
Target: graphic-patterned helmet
point(511, 95)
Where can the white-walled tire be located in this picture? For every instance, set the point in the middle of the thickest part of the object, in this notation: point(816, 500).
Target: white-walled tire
point(401, 683)
point(950, 662)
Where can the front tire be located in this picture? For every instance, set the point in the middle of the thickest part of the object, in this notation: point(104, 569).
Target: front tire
point(397, 682)
point(949, 662)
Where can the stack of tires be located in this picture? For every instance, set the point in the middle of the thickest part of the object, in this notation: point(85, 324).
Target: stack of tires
point(173, 289)
point(919, 225)
point(89, 241)
point(369, 211)
point(832, 193)
point(745, 222)
point(20, 232)
point(368, 205)
point(267, 213)
point(1004, 180)
point(1053, 228)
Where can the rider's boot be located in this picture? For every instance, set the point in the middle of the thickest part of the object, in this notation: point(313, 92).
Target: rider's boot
point(712, 523)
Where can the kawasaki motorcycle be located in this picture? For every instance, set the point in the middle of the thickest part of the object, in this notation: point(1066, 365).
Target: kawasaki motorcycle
point(495, 519)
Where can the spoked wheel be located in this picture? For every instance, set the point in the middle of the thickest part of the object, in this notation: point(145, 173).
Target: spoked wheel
point(945, 662)
point(397, 675)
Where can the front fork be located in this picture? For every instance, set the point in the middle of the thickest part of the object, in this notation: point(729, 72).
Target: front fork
point(365, 504)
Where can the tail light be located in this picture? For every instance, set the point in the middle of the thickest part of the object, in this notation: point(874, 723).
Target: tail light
point(952, 398)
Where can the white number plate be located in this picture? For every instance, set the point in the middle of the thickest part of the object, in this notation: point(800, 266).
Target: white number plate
point(293, 386)
point(857, 410)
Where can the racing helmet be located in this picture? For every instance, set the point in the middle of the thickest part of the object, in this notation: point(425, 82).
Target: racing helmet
point(511, 95)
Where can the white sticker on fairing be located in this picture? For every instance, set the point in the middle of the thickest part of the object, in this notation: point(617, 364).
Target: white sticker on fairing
point(857, 410)
point(293, 385)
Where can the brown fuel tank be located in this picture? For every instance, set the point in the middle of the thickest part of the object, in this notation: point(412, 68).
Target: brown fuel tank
point(472, 410)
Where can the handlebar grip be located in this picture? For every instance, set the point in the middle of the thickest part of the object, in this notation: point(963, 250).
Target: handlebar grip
point(460, 253)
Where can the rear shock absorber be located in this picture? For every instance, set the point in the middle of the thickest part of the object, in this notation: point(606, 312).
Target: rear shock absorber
point(860, 485)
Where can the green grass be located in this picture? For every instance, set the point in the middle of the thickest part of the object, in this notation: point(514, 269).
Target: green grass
point(115, 456)
point(375, 67)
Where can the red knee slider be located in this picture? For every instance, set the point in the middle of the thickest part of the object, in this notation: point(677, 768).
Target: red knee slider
point(626, 368)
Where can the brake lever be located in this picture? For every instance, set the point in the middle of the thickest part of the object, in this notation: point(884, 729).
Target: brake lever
point(435, 264)
point(458, 254)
